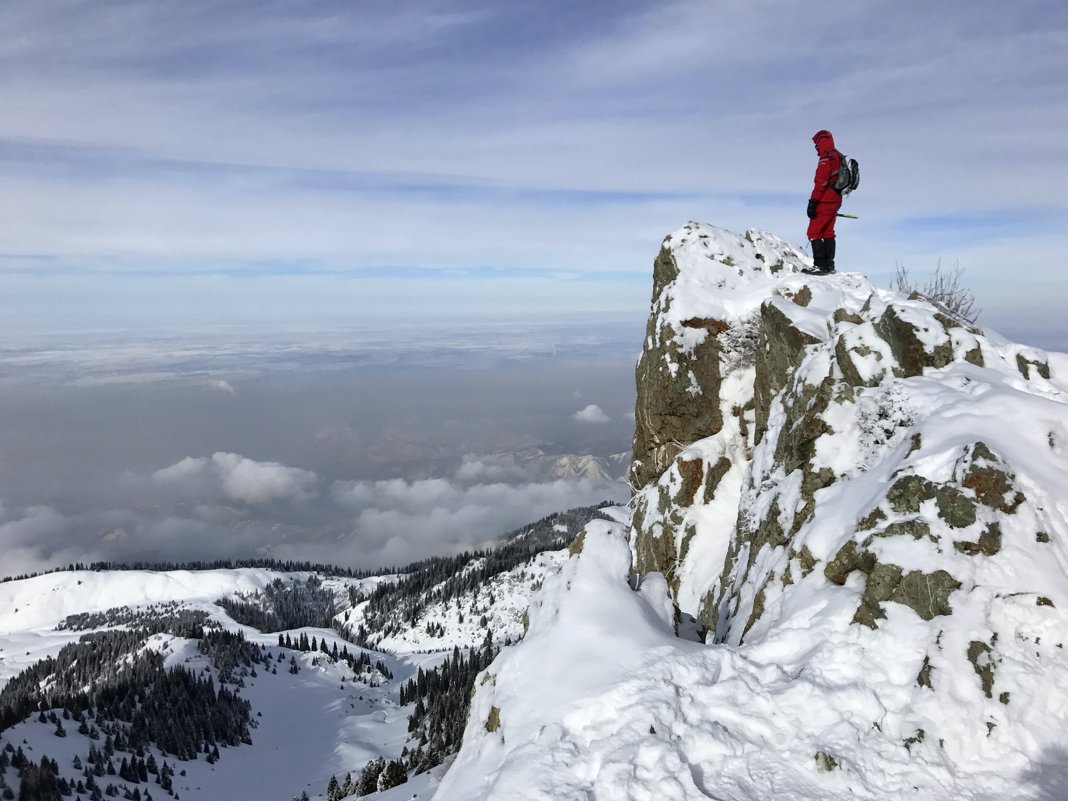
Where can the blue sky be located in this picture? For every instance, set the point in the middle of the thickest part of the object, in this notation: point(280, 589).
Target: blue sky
point(194, 163)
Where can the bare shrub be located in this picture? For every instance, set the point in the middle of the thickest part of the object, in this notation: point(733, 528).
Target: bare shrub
point(943, 288)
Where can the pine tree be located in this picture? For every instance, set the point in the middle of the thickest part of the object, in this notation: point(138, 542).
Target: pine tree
point(368, 781)
point(392, 775)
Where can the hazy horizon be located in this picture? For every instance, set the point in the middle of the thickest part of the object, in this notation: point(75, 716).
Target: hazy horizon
point(362, 450)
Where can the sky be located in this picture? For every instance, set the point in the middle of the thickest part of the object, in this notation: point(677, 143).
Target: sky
point(311, 279)
point(211, 163)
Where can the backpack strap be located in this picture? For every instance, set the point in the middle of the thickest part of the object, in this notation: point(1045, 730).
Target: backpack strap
point(834, 175)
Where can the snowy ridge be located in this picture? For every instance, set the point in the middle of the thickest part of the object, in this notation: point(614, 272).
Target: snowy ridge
point(851, 544)
point(30, 609)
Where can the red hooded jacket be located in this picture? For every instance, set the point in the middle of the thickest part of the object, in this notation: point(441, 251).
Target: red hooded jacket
point(827, 170)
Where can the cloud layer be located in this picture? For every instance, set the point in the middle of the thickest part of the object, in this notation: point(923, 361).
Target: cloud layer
point(393, 518)
point(213, 507)
point(359, 449)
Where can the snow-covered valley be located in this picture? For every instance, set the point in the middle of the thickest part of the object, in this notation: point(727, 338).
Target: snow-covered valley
point(320, 706)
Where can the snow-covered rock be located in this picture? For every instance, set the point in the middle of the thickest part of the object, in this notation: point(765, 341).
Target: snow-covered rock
point(849, 531)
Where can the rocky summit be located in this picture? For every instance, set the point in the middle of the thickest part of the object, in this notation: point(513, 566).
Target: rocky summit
point(844, 574)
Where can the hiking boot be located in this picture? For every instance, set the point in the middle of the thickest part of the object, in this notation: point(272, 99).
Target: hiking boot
point(822, 257)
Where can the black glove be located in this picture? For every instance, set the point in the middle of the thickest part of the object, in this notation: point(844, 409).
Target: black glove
point(812, 208)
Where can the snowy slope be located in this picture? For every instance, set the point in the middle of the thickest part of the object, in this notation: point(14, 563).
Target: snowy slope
point(323, 721)
point(30, 609)
point(312, 725)
point(451, 603)
point(857, 502)
point(501, 602)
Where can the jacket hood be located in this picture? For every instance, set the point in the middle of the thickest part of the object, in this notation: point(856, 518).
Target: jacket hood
point(824, 142)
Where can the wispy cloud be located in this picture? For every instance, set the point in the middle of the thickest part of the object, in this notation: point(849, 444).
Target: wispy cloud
point(248, 139)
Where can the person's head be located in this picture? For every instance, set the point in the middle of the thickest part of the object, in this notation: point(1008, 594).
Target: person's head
point(823, 141)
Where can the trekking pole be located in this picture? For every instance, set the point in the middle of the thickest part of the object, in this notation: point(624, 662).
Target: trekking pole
point(850, 216)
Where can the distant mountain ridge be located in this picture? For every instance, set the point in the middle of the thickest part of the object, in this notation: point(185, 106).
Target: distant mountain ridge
point(535, 464)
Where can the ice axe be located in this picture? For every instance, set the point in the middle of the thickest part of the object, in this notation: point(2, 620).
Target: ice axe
point(850, 216)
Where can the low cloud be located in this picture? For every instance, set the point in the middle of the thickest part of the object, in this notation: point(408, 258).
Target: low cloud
point(396, 521)
point(35, 540)
point(240, 478)
point(36, 524)
point(591, 414)
point(333, 454)
point(228, 505)
point(224, 386)
point(490, 468)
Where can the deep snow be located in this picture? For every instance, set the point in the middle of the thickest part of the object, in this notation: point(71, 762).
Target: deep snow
point(603, 701)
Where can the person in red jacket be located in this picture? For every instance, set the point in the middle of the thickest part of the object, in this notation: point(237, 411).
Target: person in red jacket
point(824, 203)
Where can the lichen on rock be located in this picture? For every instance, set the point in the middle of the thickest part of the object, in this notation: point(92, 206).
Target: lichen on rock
point(825, 763)
point(780, 347)
point(1024, 365)
point(991, 481)
point(908, 493)
point(911, 346)
point(988, 544)
point(677, 379)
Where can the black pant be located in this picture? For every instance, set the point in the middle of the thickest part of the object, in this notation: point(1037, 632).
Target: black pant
point(823, 254)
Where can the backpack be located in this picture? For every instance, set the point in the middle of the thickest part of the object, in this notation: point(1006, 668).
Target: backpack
point(848, 177)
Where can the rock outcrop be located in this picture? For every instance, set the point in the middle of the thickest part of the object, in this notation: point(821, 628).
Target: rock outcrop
point(801, 389)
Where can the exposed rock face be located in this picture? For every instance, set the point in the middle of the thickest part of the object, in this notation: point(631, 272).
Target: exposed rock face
point(804, 436)
point(678, 369)
point(759, 388)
